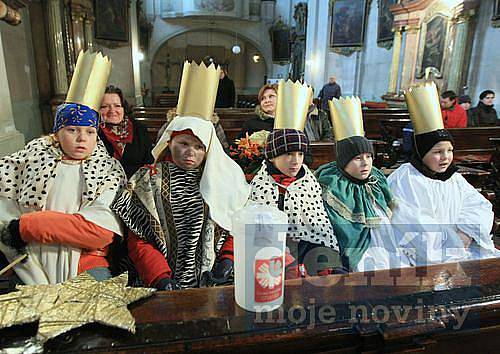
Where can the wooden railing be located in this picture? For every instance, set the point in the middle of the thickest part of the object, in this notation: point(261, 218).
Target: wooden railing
point(446, 308)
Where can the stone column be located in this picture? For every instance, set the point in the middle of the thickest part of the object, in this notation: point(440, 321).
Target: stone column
point(10, 139)
point(396, 53)
point(134, 41)
point(458, 54)
point(89, 32)
point(78, 26)
point(410, 57)
point(56, 47)
point(317, 46)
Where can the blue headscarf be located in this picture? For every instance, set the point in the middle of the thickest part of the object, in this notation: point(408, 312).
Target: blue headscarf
point(75, 114)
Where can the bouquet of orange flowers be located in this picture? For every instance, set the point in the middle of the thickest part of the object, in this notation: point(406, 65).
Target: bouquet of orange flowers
point(249, 151)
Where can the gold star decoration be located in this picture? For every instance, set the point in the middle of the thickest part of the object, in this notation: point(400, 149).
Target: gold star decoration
point(62, 307)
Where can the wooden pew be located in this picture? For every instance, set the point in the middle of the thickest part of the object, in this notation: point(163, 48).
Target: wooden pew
point(246, 101)
point(447, 308)
point(324, 152)
point(372, 119)
point(472, 145)
point(166, 100)
point(232, 119)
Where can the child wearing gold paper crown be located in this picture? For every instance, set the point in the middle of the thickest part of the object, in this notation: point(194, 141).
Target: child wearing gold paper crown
point(286, 183)
point(440, 216)
point(55, 194)
point(178, 211)
point(356, 195)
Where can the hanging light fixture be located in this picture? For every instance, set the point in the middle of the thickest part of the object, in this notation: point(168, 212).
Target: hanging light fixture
point(236, 48)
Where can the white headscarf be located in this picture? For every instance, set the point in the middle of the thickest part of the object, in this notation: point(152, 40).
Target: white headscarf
point(223, 185)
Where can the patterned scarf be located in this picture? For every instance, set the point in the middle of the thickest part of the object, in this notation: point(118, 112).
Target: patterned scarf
point(119, 135)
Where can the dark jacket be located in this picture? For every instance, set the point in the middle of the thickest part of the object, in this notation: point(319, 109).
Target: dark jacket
point(225, 93)
point(137, 153)
point(328, 92)
point(262, 121)
point(482, 115)
point(318, 126)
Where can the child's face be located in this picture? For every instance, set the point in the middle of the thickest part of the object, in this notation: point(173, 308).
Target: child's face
point(439, 158)
point(360, 166)
point(290, 163)
point(77, 142)
point(187, 151)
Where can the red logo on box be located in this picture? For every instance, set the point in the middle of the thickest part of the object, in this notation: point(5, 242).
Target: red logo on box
point(268, 279)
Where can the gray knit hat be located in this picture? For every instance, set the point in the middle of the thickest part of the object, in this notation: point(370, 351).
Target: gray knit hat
point(349, 148)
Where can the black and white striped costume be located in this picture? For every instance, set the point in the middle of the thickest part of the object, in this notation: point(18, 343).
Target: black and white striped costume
point(164, 207)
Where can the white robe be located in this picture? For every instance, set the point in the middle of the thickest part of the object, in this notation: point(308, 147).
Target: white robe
point(383, 252)
point(430, 213)
point(50, 264)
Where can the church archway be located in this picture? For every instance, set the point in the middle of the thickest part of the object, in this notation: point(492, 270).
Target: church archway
point(247, 69)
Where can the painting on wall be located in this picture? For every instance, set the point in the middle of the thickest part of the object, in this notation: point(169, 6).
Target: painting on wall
point(385, 20)
point(435, 38)
point(111, 20)
point(214, 5)
point(281, 48)
point(496, 14)
point(348, 23)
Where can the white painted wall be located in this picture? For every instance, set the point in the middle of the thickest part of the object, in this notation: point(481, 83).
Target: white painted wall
point(253, 33)
point(21, 74)
point(375, 63)
point(256, 33)
point(364, 73)
point(484, 71)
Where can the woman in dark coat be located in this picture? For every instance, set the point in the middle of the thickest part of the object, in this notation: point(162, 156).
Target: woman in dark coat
point(126, 139)
point(484, 114)
point(265, 111)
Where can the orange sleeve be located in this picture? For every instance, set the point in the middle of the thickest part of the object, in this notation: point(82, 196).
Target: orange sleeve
point(53, 227)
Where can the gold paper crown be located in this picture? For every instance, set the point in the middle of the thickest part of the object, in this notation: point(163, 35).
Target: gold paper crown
point(423, 105)
point(294, 99)
point(347, 117)
point(89, 80)
point(198, 90)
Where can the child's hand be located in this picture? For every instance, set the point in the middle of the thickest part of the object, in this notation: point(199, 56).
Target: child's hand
point(11, 237)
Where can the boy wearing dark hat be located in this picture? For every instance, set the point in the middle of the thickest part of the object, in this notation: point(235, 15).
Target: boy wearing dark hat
point(440, 217)
point(285, 182)
point(356, 195)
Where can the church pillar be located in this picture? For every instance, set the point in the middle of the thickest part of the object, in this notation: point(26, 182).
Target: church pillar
point(56, 47)
point(134, 36)
point(10, 139)
point(458, 53)
point(89, 32)
point(317, 46)
point(410, 56)
point(396, 53)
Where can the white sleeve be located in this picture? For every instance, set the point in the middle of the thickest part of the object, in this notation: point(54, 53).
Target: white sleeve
point(100, 213)
point(416, 226)
point(476, 215)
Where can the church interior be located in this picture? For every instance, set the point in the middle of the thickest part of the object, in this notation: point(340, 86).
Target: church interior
point(390, 64)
